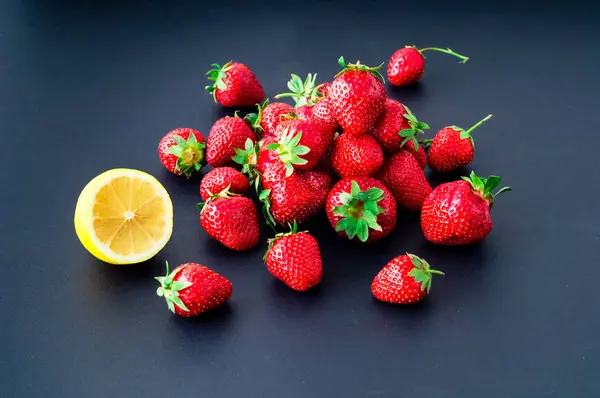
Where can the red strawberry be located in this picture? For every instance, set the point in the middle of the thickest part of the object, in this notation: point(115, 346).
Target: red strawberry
point(181, 151)
point(361, 208)
point(294, 258)
point(397, 128)
point(269, 116)
point(403, 176)
point(234, 85)
point(404, 280)
point(304, 112)
point(225, 136)
point(220, 179)
point(356, 155)
point(452, 148)
point(407, 64)
point(192, 289)
point(458, 213)
point(358, 97)
point(231, 220)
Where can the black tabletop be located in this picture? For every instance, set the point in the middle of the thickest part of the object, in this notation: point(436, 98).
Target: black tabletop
point(89, 86)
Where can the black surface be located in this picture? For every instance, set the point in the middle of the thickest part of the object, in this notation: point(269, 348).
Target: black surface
point(88, 86)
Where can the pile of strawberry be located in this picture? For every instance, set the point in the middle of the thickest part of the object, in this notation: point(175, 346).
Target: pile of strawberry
point(343, 147)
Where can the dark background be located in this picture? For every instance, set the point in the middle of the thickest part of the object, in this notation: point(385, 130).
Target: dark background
point(88, 86)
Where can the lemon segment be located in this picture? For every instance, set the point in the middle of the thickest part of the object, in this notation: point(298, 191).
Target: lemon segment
point(124, 216)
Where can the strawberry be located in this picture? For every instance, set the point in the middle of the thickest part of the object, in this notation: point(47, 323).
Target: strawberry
point(234, 85)
point(304, 112)
point(356, 155)
point(452, 148)
point(361, 208)
point(405, 179)
point(357, 96)
point(406, 66)
point(223, 178)
point(230, 219)
point(181, 151)
point(227, 134)
point(404, 280)
point(458, 213)
point(294, 258)
point(191, 289)
point(397, 128)
point(269, 116)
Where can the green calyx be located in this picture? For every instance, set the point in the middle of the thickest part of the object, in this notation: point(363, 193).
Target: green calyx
point(422, 272)
point(263, 197)
point(359, 210)
point(358, 66)
point(485, 187)
point(466, 134)
point(415, 127)
point(217, 75)
point(289, 150)
point(169, 289)
point(190, 154)
point(448, 51)
point(225, 193)
point(303, 93)
point(254, 119)
point(247, 158)
point(293, 230)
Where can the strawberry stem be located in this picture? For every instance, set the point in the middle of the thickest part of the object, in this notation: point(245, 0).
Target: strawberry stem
point(479, 123)
point(445, 51)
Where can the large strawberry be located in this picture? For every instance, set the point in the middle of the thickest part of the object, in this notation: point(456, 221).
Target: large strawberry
point(361, 208)
point(404, 280)
point(269, 116)
point(294, 258)
point(407, 64)
point(223, 178)
point(358, 97)
point(353, 155)
point(181, 151)
point(230, 219)
point(458, 213)
point(227, 134)
point(234, 85)
point(452, 148)
point(403, 176)
point(191, 289)
point(398, 128)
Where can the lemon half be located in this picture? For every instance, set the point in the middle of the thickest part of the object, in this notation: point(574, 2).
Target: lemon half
point(124, 216)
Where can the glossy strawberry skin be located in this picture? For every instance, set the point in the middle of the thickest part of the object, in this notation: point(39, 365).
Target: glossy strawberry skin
point(243, 88)
point(406, 66)
point(225, 135)
point(296, 261)
point(356, 155)
point(453, 214)
point(405, 179)
point(169, 160)
point(393, 284)
point(272, 115)
point(323, 113)
point(358, 98)
point(304, 112)
point(208, 291)
point(220, 178)
point(387, 219)
point(314, 136)
point(233, 221)
point(449, 152)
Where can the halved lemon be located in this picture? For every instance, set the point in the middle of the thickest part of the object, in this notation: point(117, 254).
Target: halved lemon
point(124, 216)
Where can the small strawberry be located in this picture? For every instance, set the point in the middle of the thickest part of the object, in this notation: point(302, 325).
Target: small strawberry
point(269, 116)
point(227, 134)
point(294, 258)
point(191, 289)
point(234, 85)
point(452, 148)
point(397, 129)
point(407, 64)
point(230, 219)
point(403, 176)
point(404, 280)
point(361, 208)
point(458, 213)
point(358, 97)
point(356, 155)
point(223, 178)
point(181, 151)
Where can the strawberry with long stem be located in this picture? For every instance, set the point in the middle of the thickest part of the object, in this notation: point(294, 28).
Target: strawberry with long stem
point(406, 65)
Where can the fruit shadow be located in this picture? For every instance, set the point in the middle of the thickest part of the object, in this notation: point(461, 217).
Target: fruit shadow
point(221, 111)
point(115, 278)
point(413, 92)
point(435, 178)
